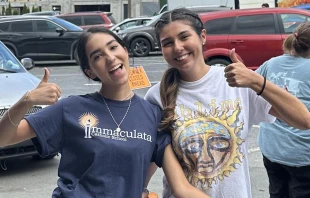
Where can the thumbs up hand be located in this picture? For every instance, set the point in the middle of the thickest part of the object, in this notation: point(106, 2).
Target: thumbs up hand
point(45, 93)
point(237, 74)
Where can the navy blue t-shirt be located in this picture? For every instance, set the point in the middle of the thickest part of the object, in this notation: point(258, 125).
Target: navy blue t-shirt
point(97, 161)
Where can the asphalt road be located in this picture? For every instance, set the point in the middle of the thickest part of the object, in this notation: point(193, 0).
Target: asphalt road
point(25, 178)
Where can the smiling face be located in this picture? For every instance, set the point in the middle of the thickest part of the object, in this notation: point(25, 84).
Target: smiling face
point(182, 46)
point(107, 59)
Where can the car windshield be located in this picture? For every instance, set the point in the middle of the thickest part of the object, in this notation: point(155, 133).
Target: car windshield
point(8, 63)
point(67, 25)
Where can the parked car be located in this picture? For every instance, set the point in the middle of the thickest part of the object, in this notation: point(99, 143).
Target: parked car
point(129, 23)
point(40, 37)
point(303, 6)
point(142, 40)
point(256, 34)
point(86, 20)
point(16, 81)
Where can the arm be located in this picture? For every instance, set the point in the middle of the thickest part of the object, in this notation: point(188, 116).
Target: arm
point(151, 170)
point(181, 188)
point(13, 128)
point(284, 105)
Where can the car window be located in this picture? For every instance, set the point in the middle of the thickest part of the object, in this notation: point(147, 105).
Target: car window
point(127, 25)
point(111, 18)
point(219, 26)
point(4, 26)
point(145, 21)
point(93, 20)
point(77, 20)
point(291, 21)
point(255, 24)
point(46, 26)
point(21, 26)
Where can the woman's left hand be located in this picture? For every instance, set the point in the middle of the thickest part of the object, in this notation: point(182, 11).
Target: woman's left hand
point(237, 74)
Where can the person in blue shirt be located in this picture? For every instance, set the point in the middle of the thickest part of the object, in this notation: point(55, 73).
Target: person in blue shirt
point(106, 139)
point(286, 149)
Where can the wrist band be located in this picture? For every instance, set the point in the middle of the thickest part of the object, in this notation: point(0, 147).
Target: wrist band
point(262, 87)
point(145, 190)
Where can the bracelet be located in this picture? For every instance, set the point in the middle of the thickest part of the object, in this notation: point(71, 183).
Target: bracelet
point(11, 120)
point(145, 190)
point(261, 91)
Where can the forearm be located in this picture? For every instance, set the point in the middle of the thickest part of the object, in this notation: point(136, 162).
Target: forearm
point(287, 106)
point(10, 121)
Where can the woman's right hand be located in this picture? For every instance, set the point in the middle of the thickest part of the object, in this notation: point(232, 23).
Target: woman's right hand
point(45, 93)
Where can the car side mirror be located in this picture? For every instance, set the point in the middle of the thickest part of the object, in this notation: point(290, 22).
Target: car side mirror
point(117, 29)
point(28, 63)
point(59, 30)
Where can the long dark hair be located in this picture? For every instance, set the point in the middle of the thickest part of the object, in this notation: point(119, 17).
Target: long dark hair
point(298, 43)
point(171, 78)
point(82, 42)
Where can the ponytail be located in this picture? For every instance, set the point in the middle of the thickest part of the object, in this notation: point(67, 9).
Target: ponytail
point(168, 95)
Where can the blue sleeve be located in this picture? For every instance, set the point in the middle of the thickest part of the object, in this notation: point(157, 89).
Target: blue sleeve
point(48, 126)
point(262, 70)
point(163, 139)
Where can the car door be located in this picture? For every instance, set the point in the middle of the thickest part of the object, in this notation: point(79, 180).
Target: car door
point(256, 38)
point(52, 44)
point(23, 38)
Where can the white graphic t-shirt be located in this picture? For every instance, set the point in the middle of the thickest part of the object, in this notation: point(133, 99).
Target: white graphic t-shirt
point(210, 134)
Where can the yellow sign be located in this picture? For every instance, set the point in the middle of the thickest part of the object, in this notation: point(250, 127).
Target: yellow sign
point(138, 78)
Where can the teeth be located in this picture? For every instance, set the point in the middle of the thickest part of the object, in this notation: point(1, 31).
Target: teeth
point(116, 67)
point(182, 57)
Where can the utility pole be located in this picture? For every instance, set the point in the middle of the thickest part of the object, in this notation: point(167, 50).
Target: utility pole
point(129, 8)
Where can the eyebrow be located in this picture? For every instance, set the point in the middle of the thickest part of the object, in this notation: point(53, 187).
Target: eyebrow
point(183, 32)
point(98, 50)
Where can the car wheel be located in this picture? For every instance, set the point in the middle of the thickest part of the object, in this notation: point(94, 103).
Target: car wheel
point(76, 57)
point(38, 157)
point(218, 62)
point(140, 47)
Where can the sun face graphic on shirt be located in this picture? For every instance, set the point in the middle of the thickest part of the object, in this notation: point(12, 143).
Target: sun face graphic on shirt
point(209, 146)
point(89, 119)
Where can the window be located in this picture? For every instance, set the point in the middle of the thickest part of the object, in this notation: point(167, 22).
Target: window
point(77, 20)
point(4, 26)
point(127, 25)
point(219, 26)
point(21, 26)
point(93, 20)
point(46, 26)
point(291, 21)
point(256, 24)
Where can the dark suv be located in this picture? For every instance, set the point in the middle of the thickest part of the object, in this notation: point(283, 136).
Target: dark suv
point(86, 20)
point(40, 37)
point(142, 40)
point(256, 34)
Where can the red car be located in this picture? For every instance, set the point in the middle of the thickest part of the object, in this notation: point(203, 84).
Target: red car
point(256, 34)
point(86, 20)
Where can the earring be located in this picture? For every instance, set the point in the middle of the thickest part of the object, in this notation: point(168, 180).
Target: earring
point(203, 43)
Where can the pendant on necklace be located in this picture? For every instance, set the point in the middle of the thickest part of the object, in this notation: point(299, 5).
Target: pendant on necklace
point(118, 129)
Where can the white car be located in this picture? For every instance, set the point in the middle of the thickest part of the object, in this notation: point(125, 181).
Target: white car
point(15, 82)
point(130, 22)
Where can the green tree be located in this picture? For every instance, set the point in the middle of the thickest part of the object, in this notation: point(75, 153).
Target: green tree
point(33, 9)
point(8, 10)
point(3, 10)
point(162, 3)
point(25, 9)
point(15, 12)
